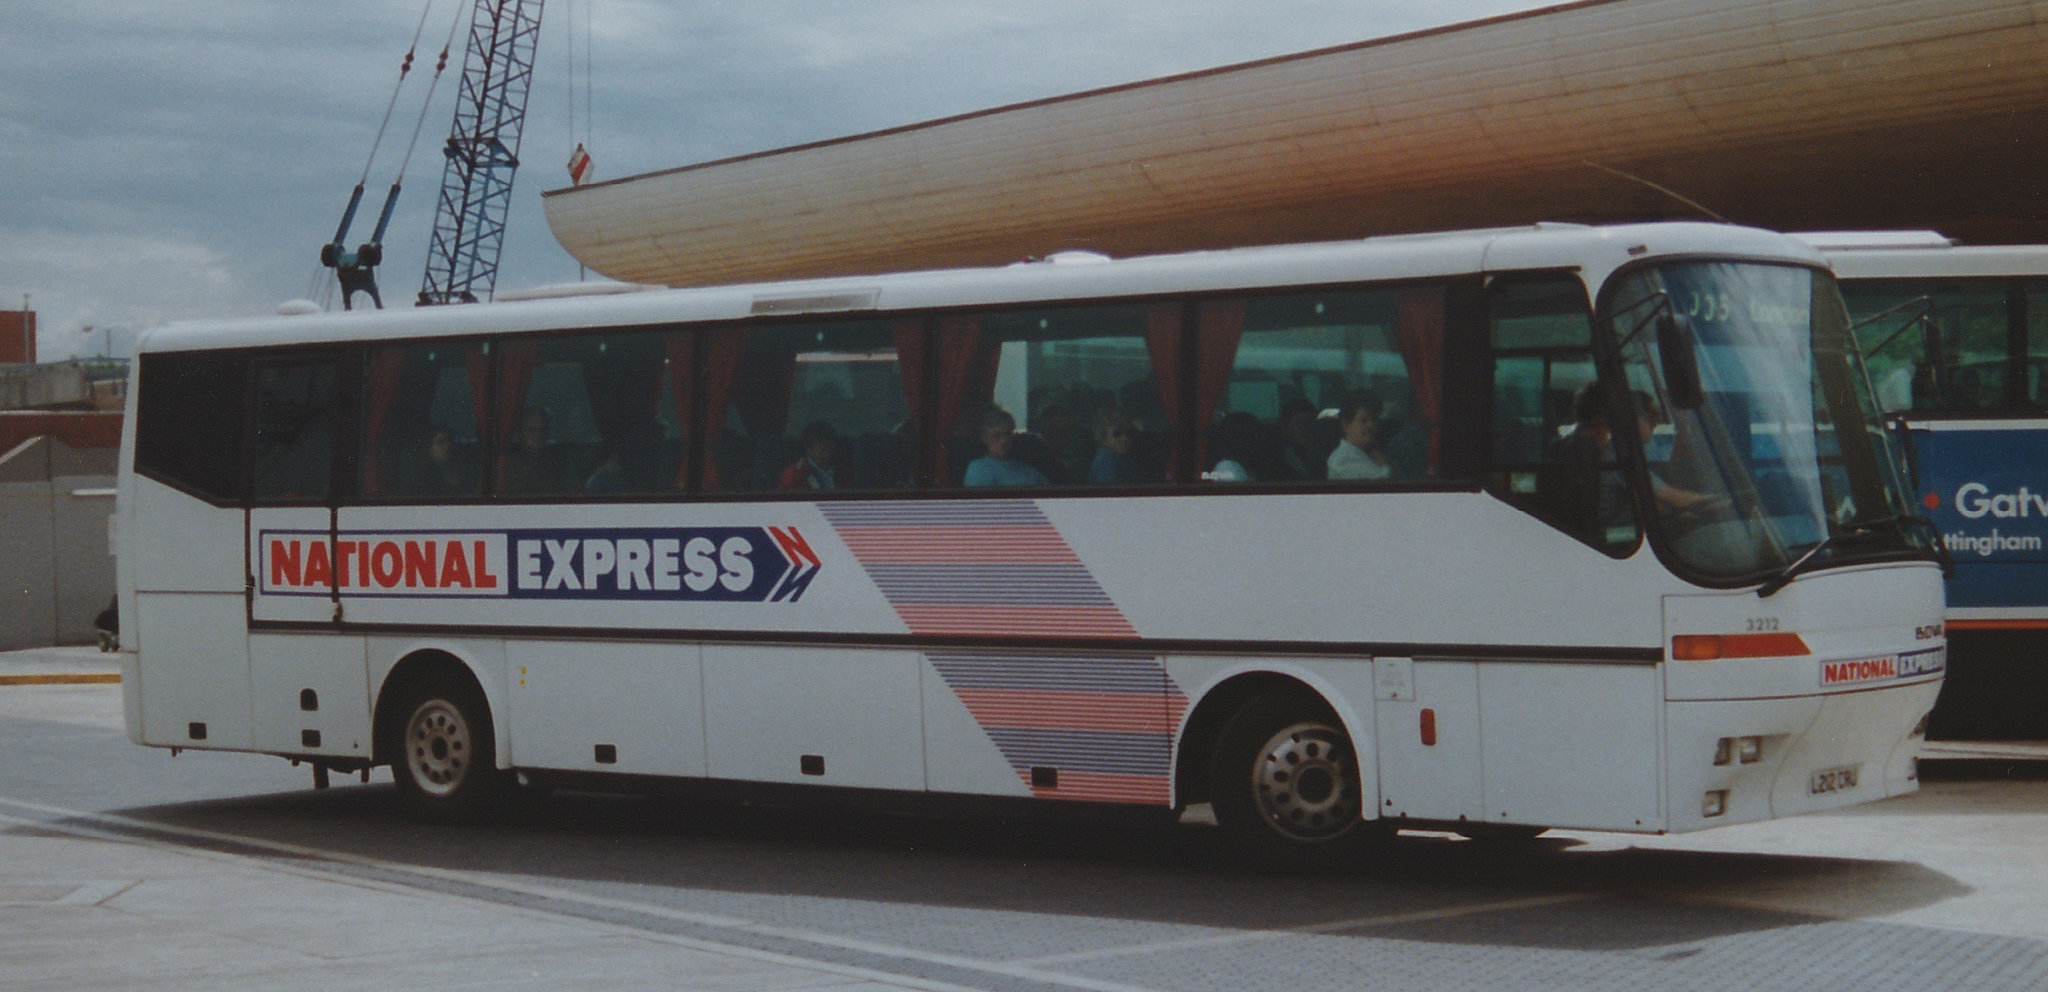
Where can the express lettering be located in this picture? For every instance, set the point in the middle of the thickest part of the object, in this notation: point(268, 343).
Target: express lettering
point(697, 564)
point(1975, 501)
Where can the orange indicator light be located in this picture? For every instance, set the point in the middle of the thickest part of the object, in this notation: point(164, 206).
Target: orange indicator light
point(1708, 647)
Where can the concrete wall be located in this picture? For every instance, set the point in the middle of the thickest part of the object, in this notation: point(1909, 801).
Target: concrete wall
point(56, 570)
point(25, 387)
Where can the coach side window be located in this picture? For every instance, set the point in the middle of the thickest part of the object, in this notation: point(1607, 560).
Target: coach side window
point(2036, 351)
point(1935, 346)
point(1553, 448)
point(810, 407)
point(420, 414)
point(581, 414)
point(189, 419)
point(1333, 386)
point(297, 413)
point(1062, 396)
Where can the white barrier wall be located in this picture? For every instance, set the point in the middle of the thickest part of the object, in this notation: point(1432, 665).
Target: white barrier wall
point(56, 571)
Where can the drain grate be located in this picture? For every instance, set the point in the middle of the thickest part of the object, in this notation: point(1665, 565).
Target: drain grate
point(59, 893)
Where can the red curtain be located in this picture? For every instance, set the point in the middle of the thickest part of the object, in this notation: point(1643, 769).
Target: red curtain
point(723, 350)
point(1219, 325)
point(380, 393)
point(1419, 332)
point(515, 373)
point(914, 364)
point(682, 365)
point(967, 377)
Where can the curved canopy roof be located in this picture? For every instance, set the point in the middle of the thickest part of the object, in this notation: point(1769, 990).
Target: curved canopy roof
point(1790, 114)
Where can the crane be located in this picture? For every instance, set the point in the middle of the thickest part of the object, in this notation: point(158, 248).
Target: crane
point(482, 156)
point(482, 152)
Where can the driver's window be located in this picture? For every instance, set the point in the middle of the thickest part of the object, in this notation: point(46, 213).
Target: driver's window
point(1553, 448)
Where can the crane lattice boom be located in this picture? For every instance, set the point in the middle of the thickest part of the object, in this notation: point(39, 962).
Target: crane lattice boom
point(482, 152)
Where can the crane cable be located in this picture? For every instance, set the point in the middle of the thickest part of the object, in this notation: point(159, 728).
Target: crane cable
point(440, 64)
point(579, 171)
point(404, 68)
point(320, 284)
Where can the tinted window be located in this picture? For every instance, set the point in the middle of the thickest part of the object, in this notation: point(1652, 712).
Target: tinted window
point(2037, 346)
point(1340, 386)
point(588, 413)
point(420, 407)
point(292, 449)
point(1553, 448)
point(1933, 345)
point(189, 422)
point(810, 407)
point(1062, 397)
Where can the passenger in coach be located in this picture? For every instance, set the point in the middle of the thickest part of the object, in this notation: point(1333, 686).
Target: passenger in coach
point(1235, 443)
point(1114, 434)
point(610, 474)
point(997, 468)
point(814, 469)
point(528, 463)
point(1359, 455)
point(1301, 457)
point(437, 472)
point(1581, 494)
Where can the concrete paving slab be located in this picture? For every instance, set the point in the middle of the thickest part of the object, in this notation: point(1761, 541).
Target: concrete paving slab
point(78, 912)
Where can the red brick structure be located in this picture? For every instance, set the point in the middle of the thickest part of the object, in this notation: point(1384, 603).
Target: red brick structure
point(17, 337)
point(77, 428)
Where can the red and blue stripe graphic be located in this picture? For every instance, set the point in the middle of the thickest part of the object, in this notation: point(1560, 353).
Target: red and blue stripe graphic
point(1105, 723)
point(979, 567)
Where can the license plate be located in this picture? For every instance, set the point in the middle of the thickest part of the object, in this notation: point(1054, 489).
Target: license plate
point(1831, 780)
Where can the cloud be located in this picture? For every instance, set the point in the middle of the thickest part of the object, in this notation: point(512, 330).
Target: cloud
point(188, 159)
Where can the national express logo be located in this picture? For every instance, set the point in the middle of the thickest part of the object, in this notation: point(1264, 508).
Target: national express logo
point(1974, 501)
point(700, 564)
point(1890, 668)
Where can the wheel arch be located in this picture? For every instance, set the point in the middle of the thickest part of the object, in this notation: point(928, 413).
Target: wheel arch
point(1204, 725)
point(422, 663)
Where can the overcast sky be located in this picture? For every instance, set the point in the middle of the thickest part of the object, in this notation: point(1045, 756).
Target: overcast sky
point(163, 161)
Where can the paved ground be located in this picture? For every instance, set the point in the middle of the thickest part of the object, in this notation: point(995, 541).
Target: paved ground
point(225, 872)
point(58, 666)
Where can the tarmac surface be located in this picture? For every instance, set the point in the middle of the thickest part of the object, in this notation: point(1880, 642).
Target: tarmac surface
point(97, 901)
point(94, 899)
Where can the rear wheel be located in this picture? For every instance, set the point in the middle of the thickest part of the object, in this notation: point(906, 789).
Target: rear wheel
point(443, 749)
point(1284, 782)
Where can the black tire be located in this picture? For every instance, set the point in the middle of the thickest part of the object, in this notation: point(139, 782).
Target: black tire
point(1284, 782)
point(443, 751)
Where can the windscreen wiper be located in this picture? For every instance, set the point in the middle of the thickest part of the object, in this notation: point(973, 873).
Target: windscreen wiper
point(1800, 564)
point(1859, 528)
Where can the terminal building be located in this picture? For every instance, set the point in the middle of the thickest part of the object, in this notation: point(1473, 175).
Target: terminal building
point(1784, 114)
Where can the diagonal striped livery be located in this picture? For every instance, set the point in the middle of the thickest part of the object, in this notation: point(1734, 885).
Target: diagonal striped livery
point(977, 568)
point(1106, 722)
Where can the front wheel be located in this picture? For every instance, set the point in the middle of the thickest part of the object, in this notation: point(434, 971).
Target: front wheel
point(1284, 781)
point(443, 750)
